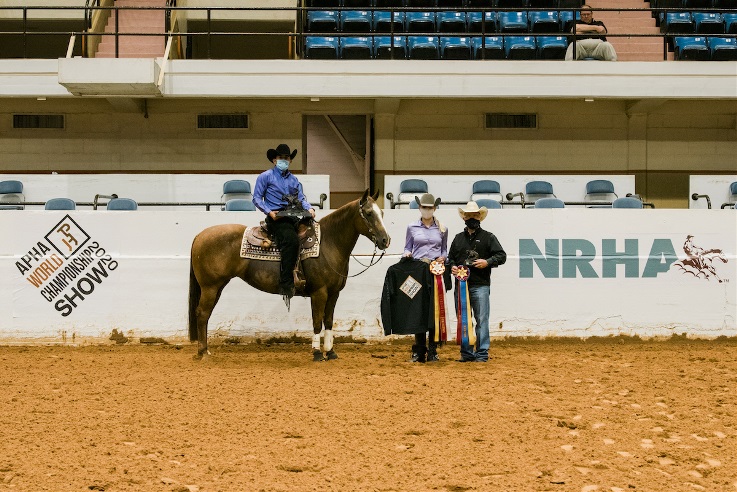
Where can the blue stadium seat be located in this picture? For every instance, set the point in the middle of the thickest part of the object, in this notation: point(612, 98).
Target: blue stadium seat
point(382, 21)
point(488, 48)
point(410, 188)
point(236, 188)
point(356, 48)
point(510, 22)
point(414, 205)
point(321, 48)
point(455, 48)
point(482, 22)
point(488, 203)
point(323, 21)
point(11, 191)
point(566, 19)
point(452, 22)
point(626, 202)
point(549, 203)
point(676, 23)
point(552, 47)
point(486, 189)
point(600, 190)
point(122, 204)
point(520, 48)
point(723, 49)
point(60, 204)
point(690, 48)
point(534, 190)
point(420, 22)
point(358, 21)
point(384, 48)
point(423, 47)
point(730, 23)
point(239, 205)
point(708, 23)
point(544, 21)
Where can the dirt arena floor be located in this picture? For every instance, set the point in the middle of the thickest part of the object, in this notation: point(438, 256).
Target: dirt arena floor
point(560, 415)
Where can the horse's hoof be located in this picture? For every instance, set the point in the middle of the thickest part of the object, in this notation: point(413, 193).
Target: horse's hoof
point(331, 355)
point(203, 356)
point(317, 356)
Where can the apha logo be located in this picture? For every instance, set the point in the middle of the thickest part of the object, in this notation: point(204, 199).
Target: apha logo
point(698, 261)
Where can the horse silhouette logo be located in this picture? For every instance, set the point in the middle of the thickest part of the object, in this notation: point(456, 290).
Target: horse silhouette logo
point(698, 261)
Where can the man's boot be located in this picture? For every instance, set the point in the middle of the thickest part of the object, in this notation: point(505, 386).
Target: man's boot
point(432, 354)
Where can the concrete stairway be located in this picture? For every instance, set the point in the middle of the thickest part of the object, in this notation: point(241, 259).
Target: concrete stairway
point(138, 21)
point(630, 49)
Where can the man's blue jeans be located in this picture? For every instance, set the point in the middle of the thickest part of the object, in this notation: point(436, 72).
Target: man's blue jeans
point(480, 305)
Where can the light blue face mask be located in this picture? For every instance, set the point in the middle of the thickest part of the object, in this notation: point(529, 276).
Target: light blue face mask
point(282, 164)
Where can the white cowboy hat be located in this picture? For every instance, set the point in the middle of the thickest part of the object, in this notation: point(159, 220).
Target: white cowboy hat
point(473, 207)
point(427, 200)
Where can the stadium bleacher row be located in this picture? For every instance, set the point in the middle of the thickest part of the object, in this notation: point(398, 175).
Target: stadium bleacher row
point(357, 31)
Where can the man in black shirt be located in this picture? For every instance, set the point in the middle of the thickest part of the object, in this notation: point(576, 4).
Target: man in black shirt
point(479, 251)
point(595, 47)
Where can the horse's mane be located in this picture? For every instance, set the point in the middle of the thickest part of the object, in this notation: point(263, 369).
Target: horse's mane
point(339, 215)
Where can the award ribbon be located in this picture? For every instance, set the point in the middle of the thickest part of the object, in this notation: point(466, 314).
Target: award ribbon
point(437, 268)
point(465, 334)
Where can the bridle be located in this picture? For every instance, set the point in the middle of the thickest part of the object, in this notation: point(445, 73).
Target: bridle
point(376, 246)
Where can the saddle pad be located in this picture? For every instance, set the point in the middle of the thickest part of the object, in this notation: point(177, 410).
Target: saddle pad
point(253, 252)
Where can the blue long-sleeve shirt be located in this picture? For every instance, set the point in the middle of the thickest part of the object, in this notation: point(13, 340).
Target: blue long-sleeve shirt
point(272, 185)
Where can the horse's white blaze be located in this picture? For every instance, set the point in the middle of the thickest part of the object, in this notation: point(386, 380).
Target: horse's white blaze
point(316, 342)
point(378, 213)
point(328, 341)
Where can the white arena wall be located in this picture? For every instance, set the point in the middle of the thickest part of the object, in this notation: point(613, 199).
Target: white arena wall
point(585, 290)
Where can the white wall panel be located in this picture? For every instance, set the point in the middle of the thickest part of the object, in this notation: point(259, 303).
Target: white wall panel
point(146, 294)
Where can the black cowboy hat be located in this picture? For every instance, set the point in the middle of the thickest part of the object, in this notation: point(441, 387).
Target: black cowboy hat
point(281, 149)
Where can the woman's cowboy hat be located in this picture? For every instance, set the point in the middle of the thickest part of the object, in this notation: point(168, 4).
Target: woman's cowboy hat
point(427, 200)
point(281, 149)
point(473, 207)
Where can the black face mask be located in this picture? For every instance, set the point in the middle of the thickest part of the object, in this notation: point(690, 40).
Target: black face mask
point(473, 223)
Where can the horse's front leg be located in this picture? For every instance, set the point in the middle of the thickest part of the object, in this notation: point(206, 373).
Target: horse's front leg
point(318, 299)
point(329, 310)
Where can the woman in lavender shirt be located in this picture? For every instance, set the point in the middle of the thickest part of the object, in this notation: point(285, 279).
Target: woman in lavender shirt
point(427, 240)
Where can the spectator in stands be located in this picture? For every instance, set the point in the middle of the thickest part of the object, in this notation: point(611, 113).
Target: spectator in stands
point(427, 241)
point(596, 47)
point(276, 190)
point(479, 251)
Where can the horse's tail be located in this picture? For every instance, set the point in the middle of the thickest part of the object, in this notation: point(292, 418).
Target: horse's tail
point(194, 299)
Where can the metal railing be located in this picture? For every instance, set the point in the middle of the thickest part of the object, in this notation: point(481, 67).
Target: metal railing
point(522, 203)
point(98, 202)
point(97, 9)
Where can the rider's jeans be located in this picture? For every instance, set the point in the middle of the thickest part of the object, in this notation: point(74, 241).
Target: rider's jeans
point(480, 305)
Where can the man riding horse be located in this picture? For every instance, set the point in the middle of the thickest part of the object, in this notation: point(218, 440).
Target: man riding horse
point(276, 193)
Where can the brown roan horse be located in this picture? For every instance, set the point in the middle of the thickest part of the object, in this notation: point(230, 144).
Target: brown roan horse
point(216, 260)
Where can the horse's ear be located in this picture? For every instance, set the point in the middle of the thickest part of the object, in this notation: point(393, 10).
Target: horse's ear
point(376, 194)
point(363, 198)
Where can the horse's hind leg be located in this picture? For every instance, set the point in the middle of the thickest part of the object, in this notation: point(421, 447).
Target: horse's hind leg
point(329, 310)
point(208, 299)
point(318, 300)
